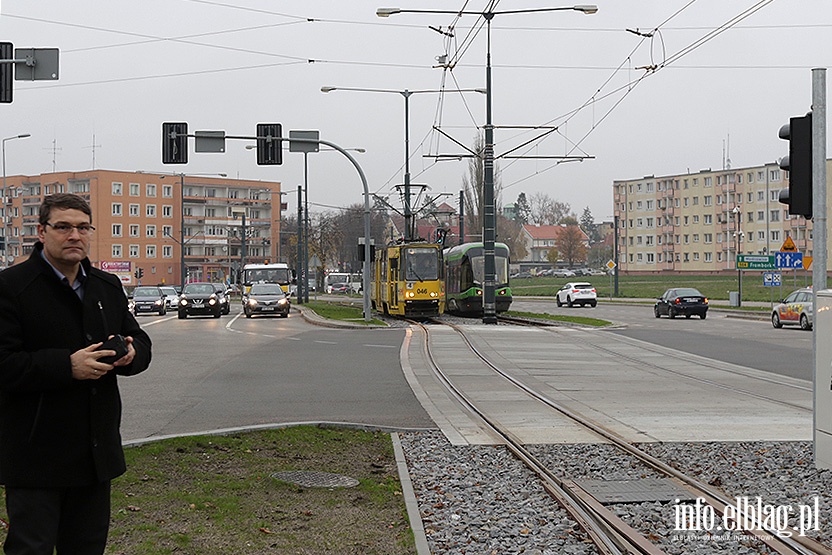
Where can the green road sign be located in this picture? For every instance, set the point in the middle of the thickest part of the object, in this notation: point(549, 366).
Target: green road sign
point(756, 262)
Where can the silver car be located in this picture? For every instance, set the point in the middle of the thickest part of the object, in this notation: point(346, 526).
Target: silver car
point(796, 309)
point(171, 297)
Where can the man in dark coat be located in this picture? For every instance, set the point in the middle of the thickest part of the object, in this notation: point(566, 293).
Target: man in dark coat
point(60, 409)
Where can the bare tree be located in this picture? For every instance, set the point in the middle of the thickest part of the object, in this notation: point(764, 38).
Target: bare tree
point(544, 210)
point(510, 232)
point(472, 184)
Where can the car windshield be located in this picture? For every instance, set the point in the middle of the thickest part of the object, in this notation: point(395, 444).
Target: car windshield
point(266, 289)
point(198, 289)
point(688, 292)
point(168, 290)
point(146, 292)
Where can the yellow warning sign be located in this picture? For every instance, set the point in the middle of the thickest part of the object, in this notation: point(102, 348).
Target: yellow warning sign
point(788, 246)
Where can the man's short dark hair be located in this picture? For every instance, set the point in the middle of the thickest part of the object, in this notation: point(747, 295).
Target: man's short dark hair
point(63, 201)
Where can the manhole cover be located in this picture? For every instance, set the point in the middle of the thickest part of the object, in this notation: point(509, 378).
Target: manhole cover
point(316, 479)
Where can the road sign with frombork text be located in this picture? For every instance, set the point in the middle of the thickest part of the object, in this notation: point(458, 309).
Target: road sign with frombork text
point(755, 262)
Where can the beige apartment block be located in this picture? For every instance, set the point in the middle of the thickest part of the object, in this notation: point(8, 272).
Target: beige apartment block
point(143, 221)
point(698, 222)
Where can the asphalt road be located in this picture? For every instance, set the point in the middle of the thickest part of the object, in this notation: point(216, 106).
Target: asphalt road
point(212, 373)
point(229, 372)
point(747, 342)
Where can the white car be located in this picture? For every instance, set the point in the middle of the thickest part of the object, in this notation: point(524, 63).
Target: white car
point(577, 292)
point(563, 273)
point(171, 297)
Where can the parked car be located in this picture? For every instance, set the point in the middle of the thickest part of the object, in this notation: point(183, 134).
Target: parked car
point(563, 273)
point(199, 298)
point(595, 272)
point(681, 301)
point(796, 309)
point(148, 299)
point(171, 297)
point(224, 295)
point(520, 275)
point(266, 298)
point(579, 292)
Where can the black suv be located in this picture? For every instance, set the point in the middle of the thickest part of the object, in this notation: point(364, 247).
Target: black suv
point(199, 298)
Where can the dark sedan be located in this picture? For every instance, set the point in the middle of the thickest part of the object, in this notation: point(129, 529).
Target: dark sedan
point(199, 298)
point(266, 298)
point(148, 299)
point(682, 301)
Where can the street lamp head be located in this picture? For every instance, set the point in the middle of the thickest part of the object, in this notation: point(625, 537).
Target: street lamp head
point(387, 12)
point(328, 89)
point(23, 136)
point(586, 8)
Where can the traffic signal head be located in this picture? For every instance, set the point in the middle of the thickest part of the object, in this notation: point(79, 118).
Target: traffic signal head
point(6, 72)
point(799, 165)
point(174, 143)
point(269, 144)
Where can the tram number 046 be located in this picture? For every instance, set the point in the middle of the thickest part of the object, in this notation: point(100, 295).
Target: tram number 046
point(421, 291)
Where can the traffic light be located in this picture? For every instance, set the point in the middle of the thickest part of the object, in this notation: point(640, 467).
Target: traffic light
point(174, 143)
point(269, 147)
point(799, 165)
point(6, 72)
point(139, 273)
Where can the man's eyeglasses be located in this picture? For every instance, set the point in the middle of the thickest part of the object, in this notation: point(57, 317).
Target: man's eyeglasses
point(66, 229)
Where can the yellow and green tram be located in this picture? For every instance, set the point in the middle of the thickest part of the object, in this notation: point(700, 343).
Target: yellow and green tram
point(465, 276)
point(408, 280)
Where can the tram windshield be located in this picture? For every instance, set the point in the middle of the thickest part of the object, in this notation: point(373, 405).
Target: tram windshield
point(267, 275)
point(500, 265)
point(421, 264)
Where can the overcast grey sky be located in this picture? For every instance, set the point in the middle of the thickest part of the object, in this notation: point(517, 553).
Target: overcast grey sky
point(126, 67)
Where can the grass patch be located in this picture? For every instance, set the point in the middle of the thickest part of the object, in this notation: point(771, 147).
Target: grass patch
point(216, 494)
point(341, 311)
point(582, 320)
point(652, 286)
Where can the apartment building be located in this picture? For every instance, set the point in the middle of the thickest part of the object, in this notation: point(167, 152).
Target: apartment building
point(154, 222)
point(698, 222)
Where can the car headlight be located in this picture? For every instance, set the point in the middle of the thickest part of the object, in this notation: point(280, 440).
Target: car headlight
point(183, 302)
point(158, 302)
point(252, 302)
point(283, 302)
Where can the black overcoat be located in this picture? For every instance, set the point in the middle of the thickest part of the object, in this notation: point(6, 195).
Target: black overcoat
point(56, 431)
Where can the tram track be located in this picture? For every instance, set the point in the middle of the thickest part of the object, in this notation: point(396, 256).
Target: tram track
point(609, 532)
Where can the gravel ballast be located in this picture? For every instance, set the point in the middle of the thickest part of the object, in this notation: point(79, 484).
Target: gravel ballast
point(480, 499)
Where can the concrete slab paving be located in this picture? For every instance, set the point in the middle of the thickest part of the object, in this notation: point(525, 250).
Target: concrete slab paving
point(641, 391)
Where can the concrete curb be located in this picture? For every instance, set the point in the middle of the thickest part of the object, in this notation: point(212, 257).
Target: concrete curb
point(313, 318)
point(410, 502)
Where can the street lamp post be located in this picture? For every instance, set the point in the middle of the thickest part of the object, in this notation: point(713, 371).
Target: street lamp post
point(489, 215)
point(3, 194)
point(406, 94)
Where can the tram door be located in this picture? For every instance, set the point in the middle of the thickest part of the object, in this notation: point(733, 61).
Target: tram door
point(393, 284)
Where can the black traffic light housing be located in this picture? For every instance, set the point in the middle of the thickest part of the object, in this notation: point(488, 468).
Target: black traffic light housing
point(6, 72)
point(269, 144)
point(174, 143)
point(799, 165)
point(139, 273)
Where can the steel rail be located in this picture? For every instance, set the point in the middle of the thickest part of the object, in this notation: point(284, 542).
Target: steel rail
point(783, 545)
point(610, 534)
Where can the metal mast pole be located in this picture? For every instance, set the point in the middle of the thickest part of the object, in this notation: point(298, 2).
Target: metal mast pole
point(298, 270)
point(489, 306)
point(408, 214)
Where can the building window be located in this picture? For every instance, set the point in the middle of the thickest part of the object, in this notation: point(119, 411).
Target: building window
point(150, 189)
point(750, 216)
point(709, 219)
point(774, 175)
point(116, 251)
point(709, 257)
point(117, 189)
point(167, 211)
point(150, 210)
point(135, 189)
point(134, 230)
point(167, 191)
point(774, 216)
point(151, 251)
point(116, 230)
point(167, 251)
point(134, 210)
point(150, 231)
point(134, 251)
point(167, 231)
point(709, 238)
point(116, 209)
point(761, 196)
point(775, 236)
